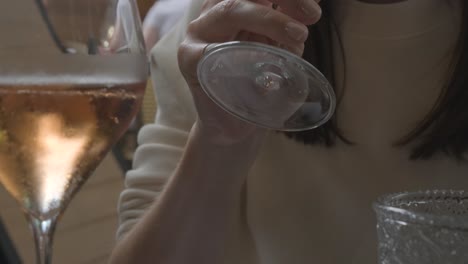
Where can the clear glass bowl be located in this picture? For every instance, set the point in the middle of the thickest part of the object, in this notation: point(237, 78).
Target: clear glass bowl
point(423, 227)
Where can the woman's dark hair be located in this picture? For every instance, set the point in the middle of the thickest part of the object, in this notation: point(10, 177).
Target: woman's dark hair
point(445, 128)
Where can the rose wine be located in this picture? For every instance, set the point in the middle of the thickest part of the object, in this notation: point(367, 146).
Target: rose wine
point(53, 136)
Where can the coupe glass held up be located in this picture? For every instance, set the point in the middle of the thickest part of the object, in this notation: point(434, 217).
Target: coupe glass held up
point(72, 76)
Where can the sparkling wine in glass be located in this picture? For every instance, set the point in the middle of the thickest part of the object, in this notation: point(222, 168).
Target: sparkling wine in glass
point(267, 86)
point(72, 78)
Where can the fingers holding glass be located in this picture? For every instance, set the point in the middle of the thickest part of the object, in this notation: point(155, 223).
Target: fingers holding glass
point(252, 79)
point(305, 11)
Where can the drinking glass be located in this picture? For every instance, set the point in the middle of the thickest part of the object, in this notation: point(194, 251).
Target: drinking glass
point(267, 86)
point(72, 77)
point(425, 227)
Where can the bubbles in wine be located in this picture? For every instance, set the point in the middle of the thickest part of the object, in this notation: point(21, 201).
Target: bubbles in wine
point(53, 136)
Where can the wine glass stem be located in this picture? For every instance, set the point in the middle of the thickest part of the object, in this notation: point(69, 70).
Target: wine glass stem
point(43, 231)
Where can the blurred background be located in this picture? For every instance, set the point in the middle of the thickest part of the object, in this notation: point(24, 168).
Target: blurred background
point(86, 233)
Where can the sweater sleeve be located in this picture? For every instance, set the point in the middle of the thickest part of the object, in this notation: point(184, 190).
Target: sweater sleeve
point(161, 144)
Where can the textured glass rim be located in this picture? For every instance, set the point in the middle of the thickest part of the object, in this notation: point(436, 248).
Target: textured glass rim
point(383, 206)
point(326, 88)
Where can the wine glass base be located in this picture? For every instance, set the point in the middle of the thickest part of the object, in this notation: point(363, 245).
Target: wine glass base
point(266, 86)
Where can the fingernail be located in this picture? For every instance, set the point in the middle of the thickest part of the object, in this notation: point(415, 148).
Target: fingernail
point(310, 8)
point(297, 31)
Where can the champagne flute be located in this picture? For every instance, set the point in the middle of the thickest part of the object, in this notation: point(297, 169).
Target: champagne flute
point(72, 77)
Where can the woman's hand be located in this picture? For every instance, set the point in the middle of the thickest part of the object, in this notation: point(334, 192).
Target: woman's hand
point(229, 20)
